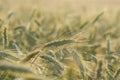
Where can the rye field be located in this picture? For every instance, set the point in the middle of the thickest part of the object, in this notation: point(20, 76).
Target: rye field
point(59, 40)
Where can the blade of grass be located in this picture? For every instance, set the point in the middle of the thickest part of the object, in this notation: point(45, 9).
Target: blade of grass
point(53, 60)
point(79, 63)
point(5, 39)
point(58, 43)
point(117, 73)
point(27, 58)
point(97, 17)
point(5, 66)
point(7, 55)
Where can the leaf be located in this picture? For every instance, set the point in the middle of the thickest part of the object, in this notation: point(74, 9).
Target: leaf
point(97, 17)
point(84, 24)
point(4, 65)
point(79, 63)
point(6, 55)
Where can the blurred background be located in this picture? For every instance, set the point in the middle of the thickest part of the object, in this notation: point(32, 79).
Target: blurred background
point(58, 5)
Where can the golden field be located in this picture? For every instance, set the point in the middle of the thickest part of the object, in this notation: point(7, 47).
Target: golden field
point(59, 40)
